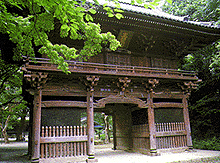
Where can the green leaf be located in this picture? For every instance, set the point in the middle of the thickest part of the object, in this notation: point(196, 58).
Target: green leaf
point(154, 3)
point(108, 9)
point(92, 11)
point(88, 17)
point(80, 9)
point(117, 10)
point(147, 6)
point(119, 16)
point(169, 1)
point(110, 15)
point(139, 1)
point(64, 27)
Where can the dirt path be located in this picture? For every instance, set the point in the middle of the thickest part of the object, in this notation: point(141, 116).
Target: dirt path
point(14, 153)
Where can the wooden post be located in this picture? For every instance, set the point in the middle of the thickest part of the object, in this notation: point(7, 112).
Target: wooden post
point(90, 127)
point(36, 126)
point(151, 121)
point(187, 122)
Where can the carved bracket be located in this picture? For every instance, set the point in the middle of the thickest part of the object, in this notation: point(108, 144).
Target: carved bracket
point(90, 81)
point(36, 79)
point(188, 86)
point(150, 84)
point(123, 83)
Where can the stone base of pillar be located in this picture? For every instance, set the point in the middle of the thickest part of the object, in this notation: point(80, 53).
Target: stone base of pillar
point(153, 152)
point(190, 149)
point(34, 160)
point(91, 160)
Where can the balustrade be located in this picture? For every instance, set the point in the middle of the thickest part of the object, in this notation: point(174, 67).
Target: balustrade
point(74, 66)
point(63, 141)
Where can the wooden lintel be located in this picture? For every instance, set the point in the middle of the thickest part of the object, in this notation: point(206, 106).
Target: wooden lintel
point(171, 95)
point(63, 139)
point(167, 105)
point(170, 133)
point(63, 104)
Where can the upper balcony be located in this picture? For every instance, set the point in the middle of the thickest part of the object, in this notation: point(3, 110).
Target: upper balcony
point(43, 64)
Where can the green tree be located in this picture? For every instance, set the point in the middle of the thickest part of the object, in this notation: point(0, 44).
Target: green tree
point(12, 104)
point(204, 102)
point(195, 10)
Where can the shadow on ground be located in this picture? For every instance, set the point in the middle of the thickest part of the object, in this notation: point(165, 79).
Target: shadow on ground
point(14, 152)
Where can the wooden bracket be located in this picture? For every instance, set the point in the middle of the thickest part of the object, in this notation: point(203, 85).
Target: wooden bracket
point(188, 86)
point(36, 79)
point(150, 84)
point(123, 83)
point(90, 81)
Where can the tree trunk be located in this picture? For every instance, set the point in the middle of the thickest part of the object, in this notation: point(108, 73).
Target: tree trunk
point(4, 130)
point(5, 135)
point(106, 129)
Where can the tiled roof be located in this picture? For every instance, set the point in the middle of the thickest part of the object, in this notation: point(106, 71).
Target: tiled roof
point(157, 12)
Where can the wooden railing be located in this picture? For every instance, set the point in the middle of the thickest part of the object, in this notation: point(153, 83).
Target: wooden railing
point(171, 142)
point(166, 127)
point(170, 135)
point(87, 67)
point(63, 141)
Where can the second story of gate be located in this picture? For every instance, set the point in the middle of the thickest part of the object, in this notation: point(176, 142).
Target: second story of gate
point(153, 45)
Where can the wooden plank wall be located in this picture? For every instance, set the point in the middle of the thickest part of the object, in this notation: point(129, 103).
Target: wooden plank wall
point(140, 135)
point(63, 141)
point(123, 127)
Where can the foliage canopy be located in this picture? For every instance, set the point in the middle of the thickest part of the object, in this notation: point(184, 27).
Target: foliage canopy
point(204, 102)
point(29, 23)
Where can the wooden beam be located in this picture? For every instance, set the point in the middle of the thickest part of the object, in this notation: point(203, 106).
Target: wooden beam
point(63, 139)
point(170, 133)
point(171, 95)
point(168, 105)
point(64, 104)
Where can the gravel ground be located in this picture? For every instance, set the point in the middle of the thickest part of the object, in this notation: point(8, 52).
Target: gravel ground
point(15, 153)
point(197, 156)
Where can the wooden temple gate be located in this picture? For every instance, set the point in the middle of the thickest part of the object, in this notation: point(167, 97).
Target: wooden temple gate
point(52, 143)
point(135, 84)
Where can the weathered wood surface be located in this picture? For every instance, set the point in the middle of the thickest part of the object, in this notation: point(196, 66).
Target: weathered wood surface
point(36, 125)
point(64, 104)
point(167, 105)
point(63, 141)
point(173, 126)
point(106, 69)
point(171, 142)
point(120, 99)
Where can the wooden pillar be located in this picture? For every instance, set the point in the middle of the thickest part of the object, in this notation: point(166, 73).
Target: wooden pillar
point(187, 122)
point(36, 126)
point(90, 128)
point(151, 122)
point(90, 125)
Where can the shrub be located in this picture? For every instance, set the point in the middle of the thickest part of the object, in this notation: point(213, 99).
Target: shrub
point(207, 144)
